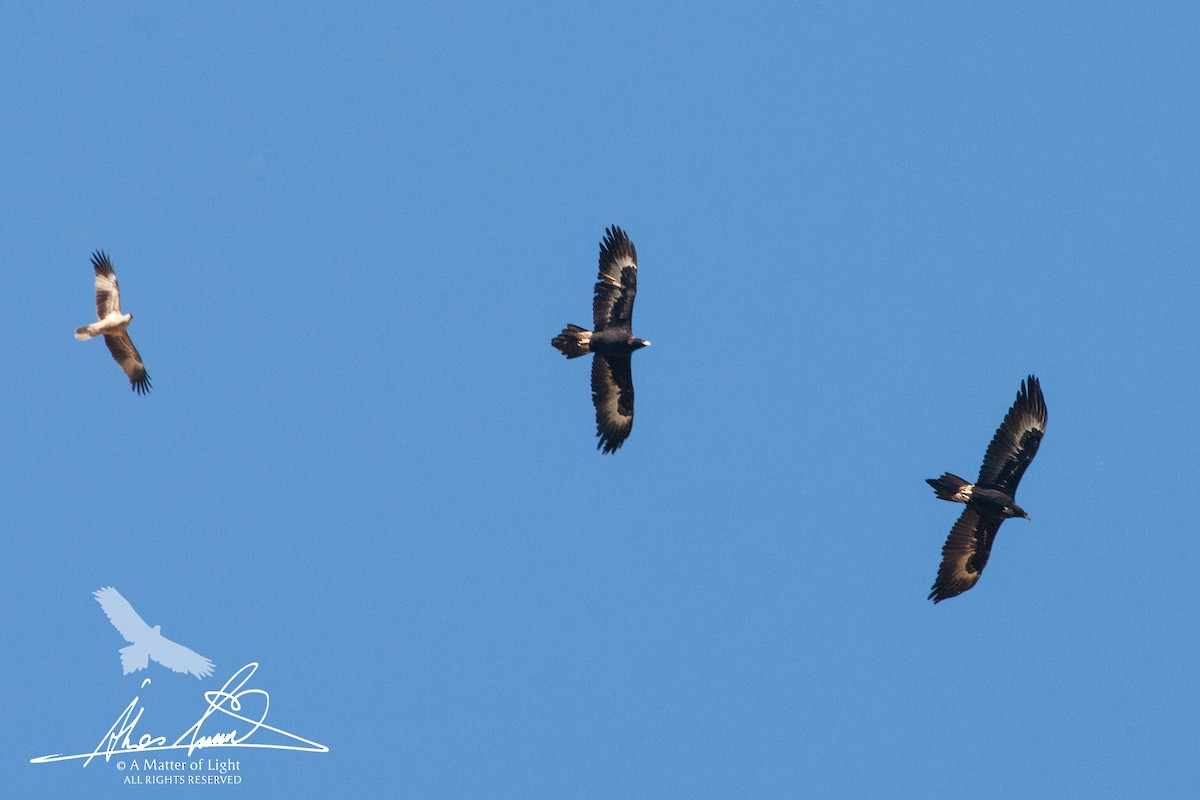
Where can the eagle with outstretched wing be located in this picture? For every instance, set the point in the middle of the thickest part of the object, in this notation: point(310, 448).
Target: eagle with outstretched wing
point(992, 498)
point(147, 643)
point(113, 325)
point(611, 342)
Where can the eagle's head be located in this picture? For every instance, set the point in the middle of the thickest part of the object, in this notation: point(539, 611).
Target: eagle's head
point(639, 343)
point(1015, 511)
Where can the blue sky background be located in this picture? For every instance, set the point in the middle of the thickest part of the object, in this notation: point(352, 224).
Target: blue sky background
point(347, 234)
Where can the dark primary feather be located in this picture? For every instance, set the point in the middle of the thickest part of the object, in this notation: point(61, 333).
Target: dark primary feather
point(101, 263)
point(616, 286)
point(125, 354)
point(612, 394)
point(965, 553)
point(1016, 440)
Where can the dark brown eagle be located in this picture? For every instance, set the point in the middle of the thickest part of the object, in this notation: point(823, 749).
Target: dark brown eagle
point(113, 325)
point(612, 342)
point(991, 499)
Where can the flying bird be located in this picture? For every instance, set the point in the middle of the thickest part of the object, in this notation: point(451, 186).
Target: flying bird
point(992, 498)
point(113, 324)
point(612, 342)
point(146, 642)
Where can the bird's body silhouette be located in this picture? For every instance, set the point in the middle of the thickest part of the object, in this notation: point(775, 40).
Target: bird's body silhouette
point(113, 325)
point(612, 342)
point(147, 643)
point(992, 498)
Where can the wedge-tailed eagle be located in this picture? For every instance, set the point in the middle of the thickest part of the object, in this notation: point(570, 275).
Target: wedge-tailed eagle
point(146, 642)
point(112, 324)
point(991, 499)
point(612, 342)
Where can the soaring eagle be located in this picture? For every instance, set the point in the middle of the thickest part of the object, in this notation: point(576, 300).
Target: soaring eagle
point(612, 341)
point(991, 499)
point(146, 642)
point(112, 324)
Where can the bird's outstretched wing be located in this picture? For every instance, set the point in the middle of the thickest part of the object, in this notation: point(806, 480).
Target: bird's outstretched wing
point(612, 394)
point(125, 354)
point(1016, 440)
point(965, 554)
point(616, 286)
point(175, 656)
point(108, 293)
point(122, 616)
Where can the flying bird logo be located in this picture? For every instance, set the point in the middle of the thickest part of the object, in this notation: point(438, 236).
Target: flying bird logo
point(113, 325)
point(145, 642)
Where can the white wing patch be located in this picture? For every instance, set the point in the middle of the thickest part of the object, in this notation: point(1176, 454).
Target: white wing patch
point(108, 296)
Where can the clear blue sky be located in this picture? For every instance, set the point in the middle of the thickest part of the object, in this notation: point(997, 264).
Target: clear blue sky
point(347, 234)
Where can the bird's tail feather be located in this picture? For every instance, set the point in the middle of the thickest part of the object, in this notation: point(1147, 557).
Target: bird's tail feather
point(951, 487)
point(574, 341)
point(134, 658)
point(84, 333)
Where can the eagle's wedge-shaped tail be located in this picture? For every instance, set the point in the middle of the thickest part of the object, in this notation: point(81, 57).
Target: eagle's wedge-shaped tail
point(133, 658)
point(573, 342)
point(84, 333)
point(951, 487)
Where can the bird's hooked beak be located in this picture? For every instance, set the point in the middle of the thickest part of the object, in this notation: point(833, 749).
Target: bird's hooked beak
point(645, 343)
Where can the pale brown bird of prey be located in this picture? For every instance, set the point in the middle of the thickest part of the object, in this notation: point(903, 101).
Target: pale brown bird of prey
point(146, 642)
point(992, 498)
point(112, 324)
point(612, 342)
